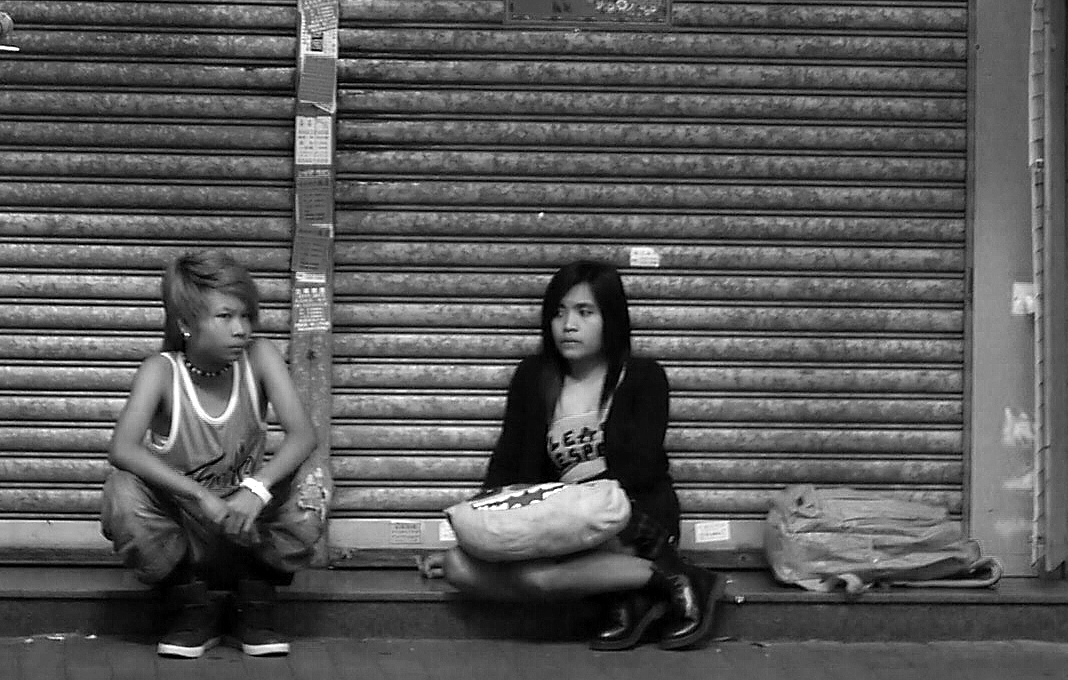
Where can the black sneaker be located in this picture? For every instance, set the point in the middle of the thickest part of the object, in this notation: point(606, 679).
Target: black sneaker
point(254, 620)
point(195, 627)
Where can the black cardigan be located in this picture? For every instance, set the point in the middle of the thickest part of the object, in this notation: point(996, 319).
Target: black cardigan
point(634, 437)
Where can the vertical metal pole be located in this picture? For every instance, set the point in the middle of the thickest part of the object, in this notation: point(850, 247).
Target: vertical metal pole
point(1056, 284)
point(311, 347)
point(1036, 161)
point(1047, 158)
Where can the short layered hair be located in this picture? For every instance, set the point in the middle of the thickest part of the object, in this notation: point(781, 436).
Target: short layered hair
point(188, 280)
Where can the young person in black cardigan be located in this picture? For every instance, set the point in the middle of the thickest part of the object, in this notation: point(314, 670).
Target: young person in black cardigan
point(586, 408)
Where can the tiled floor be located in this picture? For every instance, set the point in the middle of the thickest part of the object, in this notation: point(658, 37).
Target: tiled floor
point(60, 657)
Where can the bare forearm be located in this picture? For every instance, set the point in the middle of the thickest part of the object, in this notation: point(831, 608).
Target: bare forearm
point(292, 453)
point(157, 473)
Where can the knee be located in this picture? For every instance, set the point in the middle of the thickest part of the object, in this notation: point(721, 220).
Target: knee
point(289, 546)
point(300, 531)
point(124, 494)
point(147, 536)
point(541, 580)
point(120, 484)
point(459, 570)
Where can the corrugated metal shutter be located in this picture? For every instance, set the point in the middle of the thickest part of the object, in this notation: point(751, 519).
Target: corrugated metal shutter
point(129, 132)
point(799, 170)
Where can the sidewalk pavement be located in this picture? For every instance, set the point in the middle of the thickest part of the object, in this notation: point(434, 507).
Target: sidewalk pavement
point(80, 657)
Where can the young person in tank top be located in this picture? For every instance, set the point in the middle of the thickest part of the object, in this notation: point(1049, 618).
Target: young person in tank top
point(193, 502)
point(585, 408)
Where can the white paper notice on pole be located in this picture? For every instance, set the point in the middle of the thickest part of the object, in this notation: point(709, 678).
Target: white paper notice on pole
point(314, 140)
point(644, 256)
point(319, 43)
point(317, 82)
point(315, 196)
point(319, 14)
point(311, 304)
point(311, 247)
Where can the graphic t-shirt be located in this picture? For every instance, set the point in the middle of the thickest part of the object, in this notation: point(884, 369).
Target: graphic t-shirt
point(576, 445)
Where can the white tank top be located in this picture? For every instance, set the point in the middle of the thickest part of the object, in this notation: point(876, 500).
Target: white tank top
point(216, 451)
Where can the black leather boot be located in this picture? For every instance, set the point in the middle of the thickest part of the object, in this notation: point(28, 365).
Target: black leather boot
point(692, 593)
point(628, 617)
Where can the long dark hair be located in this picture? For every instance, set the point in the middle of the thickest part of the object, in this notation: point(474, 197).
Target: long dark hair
point(611, 299)
point(186, 283)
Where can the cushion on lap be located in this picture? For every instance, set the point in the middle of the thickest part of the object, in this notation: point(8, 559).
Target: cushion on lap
point(523, 521)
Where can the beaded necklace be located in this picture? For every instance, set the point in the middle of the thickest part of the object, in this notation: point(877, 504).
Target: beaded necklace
point(201, 373)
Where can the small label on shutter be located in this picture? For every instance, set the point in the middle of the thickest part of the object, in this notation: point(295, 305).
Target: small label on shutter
point(405, 533)
point(1023, 298)
point(445, 532)
point(711, 532)
point(644, 256)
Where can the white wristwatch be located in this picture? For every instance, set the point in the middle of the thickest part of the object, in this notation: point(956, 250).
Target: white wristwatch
point(256, 486)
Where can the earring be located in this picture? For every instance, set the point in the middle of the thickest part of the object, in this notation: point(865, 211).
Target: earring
point(185, 334)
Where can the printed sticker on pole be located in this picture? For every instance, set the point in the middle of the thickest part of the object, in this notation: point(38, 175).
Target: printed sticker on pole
point(317, 72)
point(312, 247)
point(311, 303)
point(315, 196)
point(314, 140)
point(319, 15)
point(319, 43)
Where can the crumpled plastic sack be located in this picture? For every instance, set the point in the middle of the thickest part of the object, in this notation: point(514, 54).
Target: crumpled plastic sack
point(826, 539)
point(522, 522)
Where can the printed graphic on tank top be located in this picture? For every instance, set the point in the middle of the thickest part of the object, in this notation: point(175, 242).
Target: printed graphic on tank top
point(216, 451)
